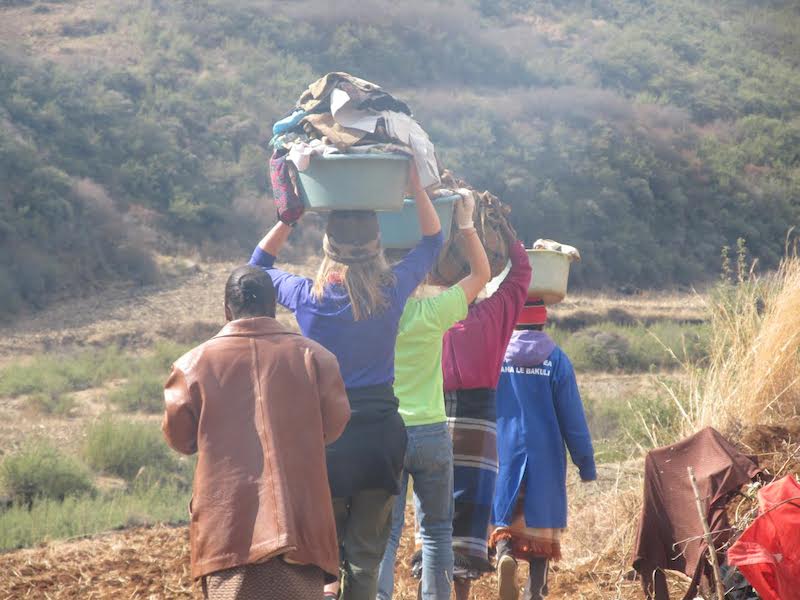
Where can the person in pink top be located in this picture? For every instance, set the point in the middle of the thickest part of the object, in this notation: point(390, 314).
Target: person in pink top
point(472, 356)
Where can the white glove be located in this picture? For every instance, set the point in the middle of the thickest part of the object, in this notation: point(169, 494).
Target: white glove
point(464, 208)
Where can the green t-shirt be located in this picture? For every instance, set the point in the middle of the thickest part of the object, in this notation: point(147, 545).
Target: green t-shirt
point(418, 354)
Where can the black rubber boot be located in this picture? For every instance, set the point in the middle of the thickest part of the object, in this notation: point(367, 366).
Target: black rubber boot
point(536, 587)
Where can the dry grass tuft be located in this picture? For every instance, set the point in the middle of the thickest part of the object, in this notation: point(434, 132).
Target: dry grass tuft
point(773, 391)
point(752, 374)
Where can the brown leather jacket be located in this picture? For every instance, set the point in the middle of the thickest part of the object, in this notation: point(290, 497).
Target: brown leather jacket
point(258, 403)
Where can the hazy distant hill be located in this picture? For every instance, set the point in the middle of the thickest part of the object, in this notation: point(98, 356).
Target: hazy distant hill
point(647, 133)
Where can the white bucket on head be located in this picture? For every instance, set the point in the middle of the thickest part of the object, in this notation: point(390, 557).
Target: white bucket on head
point(550, 275)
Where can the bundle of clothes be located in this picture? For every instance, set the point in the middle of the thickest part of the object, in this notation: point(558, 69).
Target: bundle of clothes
point(570, 251)
point(491, 219)
point(343, 114)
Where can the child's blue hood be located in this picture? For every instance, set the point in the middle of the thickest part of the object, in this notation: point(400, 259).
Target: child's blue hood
point(529, 348)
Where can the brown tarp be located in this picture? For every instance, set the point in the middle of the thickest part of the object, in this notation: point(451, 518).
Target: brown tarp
point(670, 532)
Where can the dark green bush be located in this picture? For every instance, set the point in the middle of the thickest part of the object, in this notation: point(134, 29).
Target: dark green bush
point(41, 471)
point(123, 448)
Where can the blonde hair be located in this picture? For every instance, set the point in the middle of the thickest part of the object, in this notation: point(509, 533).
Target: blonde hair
point(364, 282)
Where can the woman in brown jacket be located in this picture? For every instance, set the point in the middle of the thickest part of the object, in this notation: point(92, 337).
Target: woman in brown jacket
point(258, 403)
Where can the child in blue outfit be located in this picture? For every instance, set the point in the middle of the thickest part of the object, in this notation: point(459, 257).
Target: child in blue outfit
point(539, 412)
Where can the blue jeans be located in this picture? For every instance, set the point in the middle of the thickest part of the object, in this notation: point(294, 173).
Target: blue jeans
point(429, 461)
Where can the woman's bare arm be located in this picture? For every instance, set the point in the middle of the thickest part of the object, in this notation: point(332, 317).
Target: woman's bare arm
point(275, 238)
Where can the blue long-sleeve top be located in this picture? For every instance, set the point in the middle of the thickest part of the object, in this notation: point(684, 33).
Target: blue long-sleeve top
point(365, 348)
point(539, 412)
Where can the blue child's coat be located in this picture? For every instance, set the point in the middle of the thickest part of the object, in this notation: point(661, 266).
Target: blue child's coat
point(539, 411)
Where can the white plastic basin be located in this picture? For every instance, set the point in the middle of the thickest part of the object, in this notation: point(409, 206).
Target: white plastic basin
point(550, 275)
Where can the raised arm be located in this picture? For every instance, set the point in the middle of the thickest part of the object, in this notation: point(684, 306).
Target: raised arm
point(288, 204)
point(428, 219)
point(289, 288)
point(479, 270)
point(415, 266)
point(519, 276)
point(273, 242)
point(503, 307)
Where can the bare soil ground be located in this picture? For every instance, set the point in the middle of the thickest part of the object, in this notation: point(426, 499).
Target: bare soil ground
point(645, 307)
point(190, 294)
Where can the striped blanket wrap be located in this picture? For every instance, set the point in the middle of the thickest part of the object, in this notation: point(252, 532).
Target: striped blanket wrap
point(471, 419)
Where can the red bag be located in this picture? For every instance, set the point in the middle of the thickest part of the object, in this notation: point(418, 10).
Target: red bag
point(768, 552)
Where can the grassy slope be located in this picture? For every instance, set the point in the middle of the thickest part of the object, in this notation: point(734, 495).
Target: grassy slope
point(650, 134)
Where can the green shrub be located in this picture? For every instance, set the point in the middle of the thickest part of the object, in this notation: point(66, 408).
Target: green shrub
point(613, 347)
point(164, 353)
point(86, 515)
point(49, 377)
point(597, 350)
point(686, 341)
point(40, 374)
point(122, 448)
point(141, 392)
point(144, 389)
point(51, 403)
point(58, 373)
point(624, 425)
point(41, 471)
point(557, 333)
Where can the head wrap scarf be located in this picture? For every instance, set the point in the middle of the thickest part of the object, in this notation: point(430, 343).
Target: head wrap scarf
point(352, 236)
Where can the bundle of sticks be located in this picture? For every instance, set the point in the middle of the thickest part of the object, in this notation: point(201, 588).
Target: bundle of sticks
point(491, 223)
